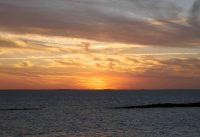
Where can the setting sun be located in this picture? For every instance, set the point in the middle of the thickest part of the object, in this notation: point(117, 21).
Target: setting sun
point(96, 83)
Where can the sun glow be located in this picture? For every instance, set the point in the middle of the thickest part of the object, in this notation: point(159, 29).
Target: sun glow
point(96, 83)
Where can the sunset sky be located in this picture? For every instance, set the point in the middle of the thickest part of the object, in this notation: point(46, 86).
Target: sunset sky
point(99, 44)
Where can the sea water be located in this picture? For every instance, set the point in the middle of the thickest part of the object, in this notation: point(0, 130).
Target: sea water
point(90, 114)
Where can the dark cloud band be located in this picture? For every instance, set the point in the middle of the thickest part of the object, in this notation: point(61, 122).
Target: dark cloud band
point(152, 22)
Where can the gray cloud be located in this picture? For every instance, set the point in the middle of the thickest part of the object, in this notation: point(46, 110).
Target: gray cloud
point(195, 13)
point(106, 20)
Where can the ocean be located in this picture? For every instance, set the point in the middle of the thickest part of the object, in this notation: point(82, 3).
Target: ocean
point(59, 113)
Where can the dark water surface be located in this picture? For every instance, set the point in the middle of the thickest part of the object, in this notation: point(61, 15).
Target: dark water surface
point(87, 114)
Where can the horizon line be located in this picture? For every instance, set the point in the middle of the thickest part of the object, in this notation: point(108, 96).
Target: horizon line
point(164, 89)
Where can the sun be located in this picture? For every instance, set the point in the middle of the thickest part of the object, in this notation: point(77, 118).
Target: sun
point(96, 83)
point(99, 82)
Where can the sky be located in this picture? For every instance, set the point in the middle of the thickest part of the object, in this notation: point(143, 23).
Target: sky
point(99, 44)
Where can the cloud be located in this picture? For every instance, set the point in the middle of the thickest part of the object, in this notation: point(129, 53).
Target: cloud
point(141, 66)
point(25, 64)
point(195, 12)
point(128, 21)
point(69, 63)
point(8, 44)
point(178, 68)
point(151, 71)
